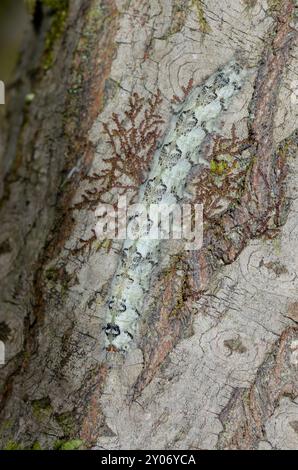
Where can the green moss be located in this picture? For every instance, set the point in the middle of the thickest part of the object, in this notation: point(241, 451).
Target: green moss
point(36, 446)
point(30, 5)
point(57, 444)
point(203, 23)
point(274, 6)
point(59, 9)
point(73, 444)
point(6, 424)
point(12, 445)
point(55, 4)
point(67, 423)
point(103, 244)
point(52, 274)
point(42, 408)
point(218, 168)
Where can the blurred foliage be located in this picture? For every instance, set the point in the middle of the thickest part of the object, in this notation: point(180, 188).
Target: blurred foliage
point(30, 5)
point(13, 20)
point(59, 10)
point(4, 4)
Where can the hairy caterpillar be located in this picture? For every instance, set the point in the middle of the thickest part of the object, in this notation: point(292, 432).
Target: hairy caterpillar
point(173, 160)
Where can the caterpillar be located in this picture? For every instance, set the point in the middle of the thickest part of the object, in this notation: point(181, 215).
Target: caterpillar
point(175, 156)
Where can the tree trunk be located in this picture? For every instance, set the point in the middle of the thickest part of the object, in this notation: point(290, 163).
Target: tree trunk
point(213, 361)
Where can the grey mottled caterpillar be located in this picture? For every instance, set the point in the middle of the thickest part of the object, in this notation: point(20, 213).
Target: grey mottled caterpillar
point(179, 151)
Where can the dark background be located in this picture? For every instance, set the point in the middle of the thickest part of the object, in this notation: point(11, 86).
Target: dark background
point(14, 19)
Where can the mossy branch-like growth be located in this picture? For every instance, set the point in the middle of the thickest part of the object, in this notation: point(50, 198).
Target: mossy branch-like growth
point(30, 6)
point(58, 10)
point(12, 445)
point(274, 6)
point(42, 409)
point(133, 140)
point(185, 90)
point(203, 23)
point(226, 175)
point(74, 444)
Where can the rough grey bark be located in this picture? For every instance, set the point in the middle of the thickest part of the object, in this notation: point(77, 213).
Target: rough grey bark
point(215, 362)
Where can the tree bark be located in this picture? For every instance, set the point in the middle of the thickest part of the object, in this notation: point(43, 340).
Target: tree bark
point(214, 362)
